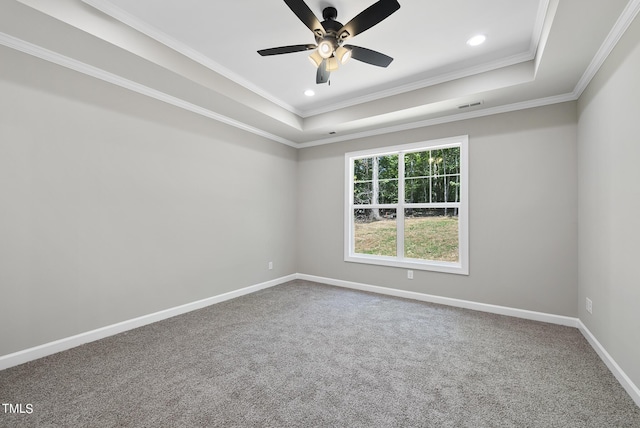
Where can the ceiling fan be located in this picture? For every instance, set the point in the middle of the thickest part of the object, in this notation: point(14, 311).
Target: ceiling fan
point(330, 35)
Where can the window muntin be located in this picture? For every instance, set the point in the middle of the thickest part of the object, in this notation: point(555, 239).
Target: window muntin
point(407, 206)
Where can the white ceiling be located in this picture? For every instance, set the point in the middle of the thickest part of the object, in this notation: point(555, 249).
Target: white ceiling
point(201, 55)
point(427, 39)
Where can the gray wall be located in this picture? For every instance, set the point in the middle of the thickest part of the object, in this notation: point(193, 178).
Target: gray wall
point(522, 208)
point(609, 203)
point(114, 205)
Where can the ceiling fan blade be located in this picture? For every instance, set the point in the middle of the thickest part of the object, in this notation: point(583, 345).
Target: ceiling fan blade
point(286, 49)
point(322, 76)
point(369, 56)
point(369, 17)
point(302, 11)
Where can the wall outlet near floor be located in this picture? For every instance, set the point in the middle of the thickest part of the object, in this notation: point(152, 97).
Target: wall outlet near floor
point(410, 274)
point(270, 265)
point(589, 305)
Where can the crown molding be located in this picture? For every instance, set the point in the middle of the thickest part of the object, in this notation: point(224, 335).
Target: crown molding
point(421, 84)
point(81, 67)
point(556, 99)
point(614, 36)
point(539, 27)
point(126, 18)
point(98, 73)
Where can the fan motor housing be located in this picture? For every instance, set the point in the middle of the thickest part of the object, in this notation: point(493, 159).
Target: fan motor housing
point(331, 26)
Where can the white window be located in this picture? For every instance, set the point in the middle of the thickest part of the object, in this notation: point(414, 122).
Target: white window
point(407, 206)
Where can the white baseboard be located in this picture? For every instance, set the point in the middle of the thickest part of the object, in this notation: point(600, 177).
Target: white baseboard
point(617, 371)
point(40, 351)
point(467, 304)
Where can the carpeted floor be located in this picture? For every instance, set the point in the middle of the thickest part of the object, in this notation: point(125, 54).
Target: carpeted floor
point(304, 354)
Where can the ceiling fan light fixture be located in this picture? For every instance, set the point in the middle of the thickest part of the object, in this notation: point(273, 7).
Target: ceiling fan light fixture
point(316, 58)
point(343, 54)
point(325, 48)
point(332, 64)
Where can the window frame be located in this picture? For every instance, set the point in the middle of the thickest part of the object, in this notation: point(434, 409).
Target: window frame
point(462, 266)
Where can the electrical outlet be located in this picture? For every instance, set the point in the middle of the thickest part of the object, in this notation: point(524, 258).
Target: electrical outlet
point(270, 265)
point(410, 274)
point(589, 305)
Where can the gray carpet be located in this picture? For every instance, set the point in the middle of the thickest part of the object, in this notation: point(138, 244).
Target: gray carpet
point(304, 354)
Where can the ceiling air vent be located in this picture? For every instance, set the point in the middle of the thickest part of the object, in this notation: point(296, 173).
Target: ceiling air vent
point(477, 103)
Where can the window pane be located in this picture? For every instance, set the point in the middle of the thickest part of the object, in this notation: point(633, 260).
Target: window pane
point(362, 192)
point(432, 162)
point(388, 192)
point(432, 176)
point(362, 169)
point(376, 180)
point(416, 164)
point(431, 234)
point(453, 188)
point(387, 166)
point(375, 231)
point(451, 160)
point(437, 189)
point(386, 169)
point(417, 190)
point(437, 162)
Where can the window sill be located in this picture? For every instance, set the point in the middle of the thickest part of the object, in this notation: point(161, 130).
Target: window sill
point(434, 266)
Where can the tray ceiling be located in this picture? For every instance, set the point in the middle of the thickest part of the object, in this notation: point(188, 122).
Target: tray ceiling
point(201, 56)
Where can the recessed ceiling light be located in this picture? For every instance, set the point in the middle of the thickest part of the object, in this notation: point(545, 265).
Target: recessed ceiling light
point(309, 93)
point(477, 40)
